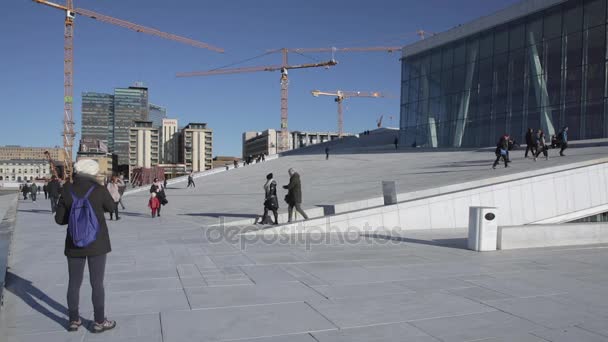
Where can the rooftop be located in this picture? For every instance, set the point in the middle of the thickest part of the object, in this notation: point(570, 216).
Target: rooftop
point(498, 18)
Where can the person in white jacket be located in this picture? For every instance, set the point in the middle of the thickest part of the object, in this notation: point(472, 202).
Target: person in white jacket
point(114, 188)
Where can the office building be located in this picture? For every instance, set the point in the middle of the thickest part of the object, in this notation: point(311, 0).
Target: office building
point(266, 142)
point(197, 147)
point(97, 110)
point(144, 151)
point(20, 170)
point(536, 64)
point(130, 105)
point(16, 152)
point(156, 114)
point(169, 141)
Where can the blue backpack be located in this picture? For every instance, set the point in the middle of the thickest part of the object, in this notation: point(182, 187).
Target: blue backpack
point(83, 225)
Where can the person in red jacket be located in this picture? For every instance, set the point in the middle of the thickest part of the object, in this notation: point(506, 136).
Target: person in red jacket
point(154, 203)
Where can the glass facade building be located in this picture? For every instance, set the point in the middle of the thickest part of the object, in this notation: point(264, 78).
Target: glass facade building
point(156, 115)
point(130, 105)
point(541, 64)
point(97, 109)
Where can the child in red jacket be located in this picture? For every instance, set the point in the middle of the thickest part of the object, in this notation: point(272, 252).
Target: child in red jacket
point(154, 203)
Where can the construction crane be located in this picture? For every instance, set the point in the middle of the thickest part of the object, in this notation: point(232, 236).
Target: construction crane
point(52, 164)
point(283, 67)
point(340, 95)
point(68, 63)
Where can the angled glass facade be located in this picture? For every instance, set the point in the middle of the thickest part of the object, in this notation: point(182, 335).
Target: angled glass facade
point(544, 70)
point(156, 115)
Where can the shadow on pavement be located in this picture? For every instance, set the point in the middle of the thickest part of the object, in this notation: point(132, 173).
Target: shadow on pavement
point(216, 215)
point(30, 294)
point(36, 211)
point(459, 243)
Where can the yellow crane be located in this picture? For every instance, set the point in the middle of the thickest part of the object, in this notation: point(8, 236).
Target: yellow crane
point(340, 95)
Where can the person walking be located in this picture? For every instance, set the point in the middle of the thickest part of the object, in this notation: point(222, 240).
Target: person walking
point(530, 143)
point(25, 189)
point(121, 191)
point(396, 142)
point(45, 188)
point(54, 189)
point(39, 188)
point(34, 191)
point(190, 180)
point(153, 204)
point(271, 201)
point(326, 153)
point(502, 151)
point(294, 194)
point(85, 190)
point(159, 190)
point(113, 188)
point(541, 145)
point(562, 138)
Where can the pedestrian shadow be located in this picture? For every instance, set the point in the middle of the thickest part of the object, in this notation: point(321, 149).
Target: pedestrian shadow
point(458, 243)
point(131, 214)
point(35, 211)
point(31, 295)
point(217, 215)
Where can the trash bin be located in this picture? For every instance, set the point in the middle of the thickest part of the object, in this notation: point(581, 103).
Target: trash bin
point(483, 228)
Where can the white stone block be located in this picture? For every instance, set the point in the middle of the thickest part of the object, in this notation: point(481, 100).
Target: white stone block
point(415, 217)
point(483, 229)
point(442, 214)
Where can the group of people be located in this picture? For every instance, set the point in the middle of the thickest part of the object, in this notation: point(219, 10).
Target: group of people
point(536, 143)
point(293, 198)
point(51, 189)
point(257, 158)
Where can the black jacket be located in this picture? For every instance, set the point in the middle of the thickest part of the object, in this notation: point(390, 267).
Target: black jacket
point(294, 195)
point(54, 188)
point(101, 201)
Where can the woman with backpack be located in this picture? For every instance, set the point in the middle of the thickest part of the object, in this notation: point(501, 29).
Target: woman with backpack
point(81, 206)
point(158, 188)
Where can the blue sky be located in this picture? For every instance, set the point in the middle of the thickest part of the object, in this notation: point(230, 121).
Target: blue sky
point(31, 68)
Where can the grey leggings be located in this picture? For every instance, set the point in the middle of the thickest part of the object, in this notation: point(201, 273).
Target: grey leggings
point(97, 266)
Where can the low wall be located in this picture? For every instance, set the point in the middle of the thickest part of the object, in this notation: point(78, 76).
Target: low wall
point(572, 234)
point(521, 198)
point(8, 212)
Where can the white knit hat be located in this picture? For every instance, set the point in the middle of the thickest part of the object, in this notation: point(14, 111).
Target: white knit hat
point(87, 167)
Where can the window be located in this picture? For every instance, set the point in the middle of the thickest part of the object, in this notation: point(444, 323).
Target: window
point(486, 45)
point(595, 13)
point(501, 41)
point(534, 30)
point(573, 18)
point(552, 24)
point(595, 38)
point(447, 57)
point(516, 35)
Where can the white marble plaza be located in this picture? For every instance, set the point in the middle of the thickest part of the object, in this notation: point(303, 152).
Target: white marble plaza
point(175, 279)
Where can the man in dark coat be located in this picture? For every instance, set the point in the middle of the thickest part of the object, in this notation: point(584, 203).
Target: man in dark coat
point(294, 195)
point(54, 189)
point(502, 150)
point(530, 143)
point(34, 191)
point(25, 189)
point(95, 253)
point(45, 188)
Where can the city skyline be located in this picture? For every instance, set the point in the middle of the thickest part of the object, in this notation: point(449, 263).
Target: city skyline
point(108, 57)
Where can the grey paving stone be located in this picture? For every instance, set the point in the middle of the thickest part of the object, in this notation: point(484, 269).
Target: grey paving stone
point(361, 290)
point(350, 312)
point(478, 294)
point(545, 311)
point(570, 334)
point(282, 338)
point(231, 260)
point(241, 322)
point(143, 285)
point(267, 274)
point(515, 287)
point(475, 326)
point(59, 336)
point(142, 302)
point(376, 333)
point(130, 328)
point(598, 325)
point(239, 295)
point(188, 271)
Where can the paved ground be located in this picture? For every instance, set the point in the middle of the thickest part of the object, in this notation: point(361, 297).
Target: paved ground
point(238, 194)
point(170, 280)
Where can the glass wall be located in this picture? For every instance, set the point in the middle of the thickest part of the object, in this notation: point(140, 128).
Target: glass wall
point(547, 70)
